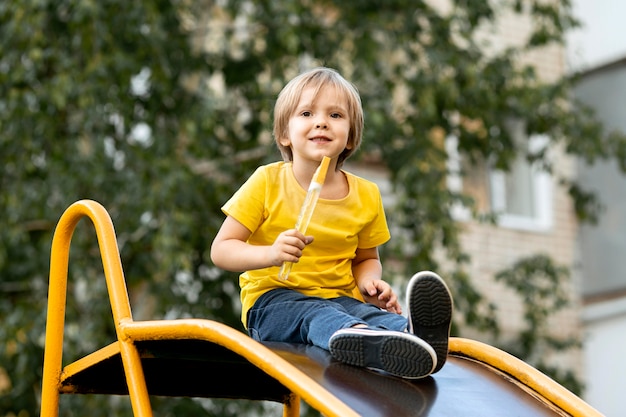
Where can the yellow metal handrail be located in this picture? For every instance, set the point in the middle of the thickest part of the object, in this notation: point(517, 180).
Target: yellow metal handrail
point(118, 296)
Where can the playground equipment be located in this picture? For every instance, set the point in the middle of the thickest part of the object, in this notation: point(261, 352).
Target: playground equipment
point(188, 357)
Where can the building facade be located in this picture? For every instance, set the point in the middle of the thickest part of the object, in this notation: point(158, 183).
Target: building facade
point(602, 248)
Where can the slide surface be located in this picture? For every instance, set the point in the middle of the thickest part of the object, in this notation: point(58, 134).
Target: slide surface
point(463, 387)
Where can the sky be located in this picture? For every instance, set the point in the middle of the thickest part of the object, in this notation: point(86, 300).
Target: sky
point(602, 39)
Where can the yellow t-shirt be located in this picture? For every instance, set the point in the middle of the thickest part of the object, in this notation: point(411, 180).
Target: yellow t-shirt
point(269, 202)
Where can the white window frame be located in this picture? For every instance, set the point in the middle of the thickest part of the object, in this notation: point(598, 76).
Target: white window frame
point(540, 221)
point(541, 183)
point(454, 179)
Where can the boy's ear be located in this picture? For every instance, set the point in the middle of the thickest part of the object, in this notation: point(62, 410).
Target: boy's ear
point(284, 141)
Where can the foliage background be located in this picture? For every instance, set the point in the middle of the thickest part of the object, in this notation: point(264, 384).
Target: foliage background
point(160, 110)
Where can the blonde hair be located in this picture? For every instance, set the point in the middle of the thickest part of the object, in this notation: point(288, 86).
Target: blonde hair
point(317, 78)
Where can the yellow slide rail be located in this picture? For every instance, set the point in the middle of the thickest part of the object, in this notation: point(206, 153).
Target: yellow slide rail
point(130, 331)
point(525, 375)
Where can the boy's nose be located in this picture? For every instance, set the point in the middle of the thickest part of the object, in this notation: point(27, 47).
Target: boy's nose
point(321, 124)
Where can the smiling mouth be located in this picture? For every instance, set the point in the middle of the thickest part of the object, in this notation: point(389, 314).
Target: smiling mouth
point(320, 139)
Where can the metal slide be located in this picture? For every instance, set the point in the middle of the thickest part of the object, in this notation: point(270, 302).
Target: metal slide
point(204, 358)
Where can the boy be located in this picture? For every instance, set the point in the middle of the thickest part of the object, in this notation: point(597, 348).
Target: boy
point(319, 114)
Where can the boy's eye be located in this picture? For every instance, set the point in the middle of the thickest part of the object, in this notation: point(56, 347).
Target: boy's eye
point(335, 115)
point(306, 113)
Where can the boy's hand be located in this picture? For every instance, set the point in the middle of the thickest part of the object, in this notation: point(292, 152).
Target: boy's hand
point(380, 293)
point(288, 247)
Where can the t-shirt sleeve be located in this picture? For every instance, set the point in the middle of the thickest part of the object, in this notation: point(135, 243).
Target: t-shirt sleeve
point(376, 232)
point(247, 205)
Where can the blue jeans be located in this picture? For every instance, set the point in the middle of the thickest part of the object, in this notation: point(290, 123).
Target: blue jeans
point(284, 315)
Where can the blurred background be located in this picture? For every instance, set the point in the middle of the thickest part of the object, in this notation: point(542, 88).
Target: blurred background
point(495, 130)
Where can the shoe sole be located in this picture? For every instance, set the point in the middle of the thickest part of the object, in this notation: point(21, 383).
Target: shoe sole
point(430, 312)
point(396, 353)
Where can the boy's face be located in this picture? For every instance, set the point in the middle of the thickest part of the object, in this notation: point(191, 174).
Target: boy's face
point(320, 126)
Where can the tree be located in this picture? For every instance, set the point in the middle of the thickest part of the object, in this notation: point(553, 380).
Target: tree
point(161, 109)
point(81, 83)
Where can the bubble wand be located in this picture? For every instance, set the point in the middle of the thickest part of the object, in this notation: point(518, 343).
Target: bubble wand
point(306, 211)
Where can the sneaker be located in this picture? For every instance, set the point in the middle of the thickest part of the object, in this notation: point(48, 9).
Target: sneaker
point(397, 353)
point(430, 312)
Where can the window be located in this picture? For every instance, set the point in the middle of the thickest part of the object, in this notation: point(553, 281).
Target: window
point(521, 198)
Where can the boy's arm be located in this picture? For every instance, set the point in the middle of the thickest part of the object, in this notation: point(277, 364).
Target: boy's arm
point(367, 271)
point(230, 250)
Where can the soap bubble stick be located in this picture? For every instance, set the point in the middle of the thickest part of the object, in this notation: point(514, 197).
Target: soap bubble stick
point(306, 211)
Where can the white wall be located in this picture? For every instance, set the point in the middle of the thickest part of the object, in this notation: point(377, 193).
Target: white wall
point(602, 38)
point(605, 338)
